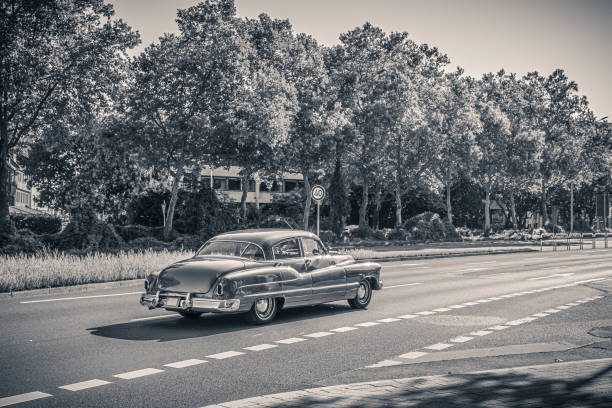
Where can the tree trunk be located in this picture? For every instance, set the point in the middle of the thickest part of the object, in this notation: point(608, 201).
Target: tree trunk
point(544, 199)
point(173, 199)
point(487, 223)
point(513, 211)
point(571, 207)
point(449, 210)
point(243, 198)
point(363, 208)
point(377, 201)
point(256, 180)
point(5, 219)
point(398, 206)
point(307, 203)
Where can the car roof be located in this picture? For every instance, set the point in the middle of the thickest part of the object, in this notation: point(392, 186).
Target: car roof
point(264, 236)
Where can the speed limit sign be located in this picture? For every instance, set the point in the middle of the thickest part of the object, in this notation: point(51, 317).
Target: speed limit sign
point(317, 193)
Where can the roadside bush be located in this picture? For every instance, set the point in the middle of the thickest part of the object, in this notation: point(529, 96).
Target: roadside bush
point(86, 232)
point(398, 234)
point(38, 224)
point(22, 244)
point(581, 225)
point(328, 237)
point(367, 233)
point(131, 232)
point(428, 226)
point(145, 243)
point(186, 242)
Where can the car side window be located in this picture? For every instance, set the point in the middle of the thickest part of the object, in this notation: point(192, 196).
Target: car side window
point(253, 252)
point(312, 247)
point(287, 249)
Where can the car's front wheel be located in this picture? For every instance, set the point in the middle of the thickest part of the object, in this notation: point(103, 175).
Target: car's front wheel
point(363, 296)
point(263, 311)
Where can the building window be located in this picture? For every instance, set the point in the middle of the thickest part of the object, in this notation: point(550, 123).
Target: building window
point(219, 183)
point(251, 185)
point(233, 184)
point(291, 185)
point(276, 187)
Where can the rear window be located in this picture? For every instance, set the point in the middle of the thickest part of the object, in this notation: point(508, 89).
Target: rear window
point(232, 248)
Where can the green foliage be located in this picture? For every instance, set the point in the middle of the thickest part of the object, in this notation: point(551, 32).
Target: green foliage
point(24, 242)
point(338, 200)
point(38, 224)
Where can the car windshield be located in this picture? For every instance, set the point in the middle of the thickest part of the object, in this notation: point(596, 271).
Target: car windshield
point(232, 248)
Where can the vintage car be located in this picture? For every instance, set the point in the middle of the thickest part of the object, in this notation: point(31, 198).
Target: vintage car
point(258, 272)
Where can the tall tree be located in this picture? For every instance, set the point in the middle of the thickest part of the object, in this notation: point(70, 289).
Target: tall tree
point(185, 92)
point(54, 55)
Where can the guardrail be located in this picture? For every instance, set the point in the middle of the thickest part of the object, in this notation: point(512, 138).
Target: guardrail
point(578, 240)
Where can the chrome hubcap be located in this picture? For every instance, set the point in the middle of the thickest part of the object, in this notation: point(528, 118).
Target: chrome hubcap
point(362, 291)
point(262, 305)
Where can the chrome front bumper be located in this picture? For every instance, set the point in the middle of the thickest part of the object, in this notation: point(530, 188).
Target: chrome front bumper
point(177, 301)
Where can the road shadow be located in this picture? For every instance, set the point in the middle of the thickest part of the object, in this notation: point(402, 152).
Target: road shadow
point(476, 390)
point(171, 328)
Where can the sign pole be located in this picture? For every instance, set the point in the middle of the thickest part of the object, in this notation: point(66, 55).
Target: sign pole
point(318, 208)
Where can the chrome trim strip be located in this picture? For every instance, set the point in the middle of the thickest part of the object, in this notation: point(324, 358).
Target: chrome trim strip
point(282, 292)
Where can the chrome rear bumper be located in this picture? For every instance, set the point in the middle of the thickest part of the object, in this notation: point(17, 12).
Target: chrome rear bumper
point(176, 301)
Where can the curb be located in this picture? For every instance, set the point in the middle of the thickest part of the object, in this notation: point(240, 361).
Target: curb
point(139, 282)
point(447, 255)
point(88, 287)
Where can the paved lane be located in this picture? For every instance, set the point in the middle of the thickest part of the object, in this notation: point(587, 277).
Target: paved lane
point(109, 351)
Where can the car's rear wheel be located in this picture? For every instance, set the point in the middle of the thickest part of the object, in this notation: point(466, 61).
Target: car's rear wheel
point(363, 296)
point(263, 311)
point(190, 314)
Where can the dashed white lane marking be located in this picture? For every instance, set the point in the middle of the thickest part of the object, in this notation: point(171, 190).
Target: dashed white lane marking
point(481, 263)
point(17, 399)
point(472, 270)
point(343, 329)
point(457, 306)
point(413, 354)
point(552, 311)
point(290, 340)
point(572, 304)
point(80, 297)
point(385, 363)
point(556, 275)
point(261, 347)
point(227, 354)
point(185, 363)
point(140, 319)
point(389, 320)
point(481, 332)
point(402, 285)
point(367, 324)
point(541, 314)
point(442, 309)
point(410, 264)
point(84, 385)
point(563, 307)
point(318, 334)
point(461, 339)
point(426, 313)
point(438, 346)
point(138, 373)
point(470, 303)
point(407, 316)
point(495, 298)
point(498, 327)
point(484, 301)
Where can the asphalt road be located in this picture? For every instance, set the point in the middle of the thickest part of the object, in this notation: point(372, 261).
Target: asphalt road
point(88, 350)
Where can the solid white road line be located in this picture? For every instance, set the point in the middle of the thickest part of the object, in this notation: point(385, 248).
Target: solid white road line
point(17, 399)
point(407, 316)
point(80, 297)
point(426, 313)
point(461, 339)
point(227, 354)
point(389, 320)
point(413, 354)
point(438, 346)
point(343, 329)
point(563, 307)
point(185, 363)
point(457, 306)
point(541, 314)
point(442, 309)
point(471, 270)
point(557, 275)
point(498, 327)
point(366, 324)
point(402, 285)
point(290, 340)
point(84, 385)
point(142, 319)
point(470, 303)
point(552, 311)
point(406, 264)
point(481, 263)
point(318, 334)
point(138, 373)
point(385, 363)
point(261, 347)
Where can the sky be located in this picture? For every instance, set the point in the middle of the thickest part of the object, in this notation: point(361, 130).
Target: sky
point(480, 36)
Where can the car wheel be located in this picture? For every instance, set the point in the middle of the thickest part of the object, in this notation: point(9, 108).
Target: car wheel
point(363, 297)
point(263, 311)
point(189, 314)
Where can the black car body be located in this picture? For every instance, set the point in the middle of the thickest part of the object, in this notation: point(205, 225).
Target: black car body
point(257, 272)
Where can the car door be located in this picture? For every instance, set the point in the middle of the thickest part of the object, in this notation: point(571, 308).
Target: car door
point(297, 282)
point(328, 279)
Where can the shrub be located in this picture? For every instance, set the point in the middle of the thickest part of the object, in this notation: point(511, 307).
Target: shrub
point(328, 236)
point(398, 234)
point(131, 232)
point(581, 225)
point(429, 227)
point(186, 242)
point(38, 224)
point(144, 243)
point(85, 232)
point(22, 244)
